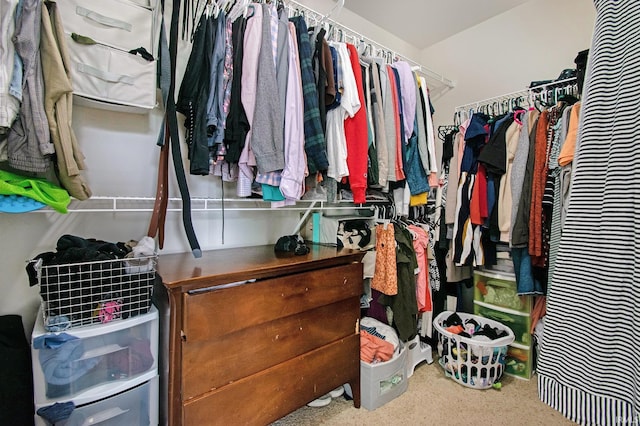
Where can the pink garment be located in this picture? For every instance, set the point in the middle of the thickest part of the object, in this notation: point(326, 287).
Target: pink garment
point(421, 246)
point(374, 349)
point(293, 174)
point(251, 53)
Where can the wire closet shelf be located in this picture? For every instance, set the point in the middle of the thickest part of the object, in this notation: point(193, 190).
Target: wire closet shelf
point(542, 95)
point(439, 83)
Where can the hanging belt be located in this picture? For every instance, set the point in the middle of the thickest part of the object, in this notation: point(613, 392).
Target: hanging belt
point(169, 139)
point(156, 225)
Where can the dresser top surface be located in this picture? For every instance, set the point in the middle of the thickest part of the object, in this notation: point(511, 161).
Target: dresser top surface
point(182, 270)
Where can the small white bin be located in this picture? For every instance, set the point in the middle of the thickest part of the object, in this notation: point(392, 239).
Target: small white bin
point(382, 382)
point(135, 407)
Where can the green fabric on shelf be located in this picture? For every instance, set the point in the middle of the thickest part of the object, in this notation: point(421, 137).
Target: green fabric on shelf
point(34, 188)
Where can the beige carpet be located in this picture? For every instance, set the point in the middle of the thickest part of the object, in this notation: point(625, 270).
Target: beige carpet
point(433, 399)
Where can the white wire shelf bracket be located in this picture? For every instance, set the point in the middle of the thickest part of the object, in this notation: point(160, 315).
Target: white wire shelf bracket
point(107, 204)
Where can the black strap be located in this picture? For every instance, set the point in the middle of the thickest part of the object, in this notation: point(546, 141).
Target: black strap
point(157, 222)
point(175, 139)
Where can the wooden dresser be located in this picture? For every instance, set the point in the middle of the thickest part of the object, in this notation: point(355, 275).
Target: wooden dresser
point(252, 336)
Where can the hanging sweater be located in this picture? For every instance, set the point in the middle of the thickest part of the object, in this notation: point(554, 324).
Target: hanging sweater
point(58, 103)
point(266, 135)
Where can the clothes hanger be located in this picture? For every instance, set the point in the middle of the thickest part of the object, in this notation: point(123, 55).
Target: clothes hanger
point(240, 8)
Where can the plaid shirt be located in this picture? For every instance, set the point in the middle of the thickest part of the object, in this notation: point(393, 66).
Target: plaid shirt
point(315, 145)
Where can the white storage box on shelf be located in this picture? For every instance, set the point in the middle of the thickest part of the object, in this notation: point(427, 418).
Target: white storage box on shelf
point(383, 381)
point(135, 407)
point(472, 362)
point(106, 72)
point(92, 363)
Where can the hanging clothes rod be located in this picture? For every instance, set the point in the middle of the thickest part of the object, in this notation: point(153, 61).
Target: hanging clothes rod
point(389, 54)
point(529, 94)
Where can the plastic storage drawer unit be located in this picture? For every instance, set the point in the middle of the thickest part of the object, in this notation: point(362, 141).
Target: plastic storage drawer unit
point(519, 362)
point(519, 323)
point(499, 289)
point(135, 407)
point(94, 362)
point(384, 381)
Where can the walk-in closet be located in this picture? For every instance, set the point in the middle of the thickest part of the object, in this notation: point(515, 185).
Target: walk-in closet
point(302, 212)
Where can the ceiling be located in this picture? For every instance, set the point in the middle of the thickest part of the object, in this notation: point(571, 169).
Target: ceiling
point(423, 23)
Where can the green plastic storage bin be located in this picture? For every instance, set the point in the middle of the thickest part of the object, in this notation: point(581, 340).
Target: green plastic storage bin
point(519, 362)
point(499, 289)
point(520, 324)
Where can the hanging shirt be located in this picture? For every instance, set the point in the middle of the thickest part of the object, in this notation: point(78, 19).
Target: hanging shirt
point(292, 183)
point(569, 146)
point(267, 125)
point(385, 279)
point(215, 116)
point(355, 128)
point(315, 144)
point(407, 83)
point(29, 141)
point(252, 43)
point(9, 105)
point(397, 146)
point(349, 106)
point(504, 198)
point(380, 136)
point(390, 120)
point(421, 245)
point(431, 139)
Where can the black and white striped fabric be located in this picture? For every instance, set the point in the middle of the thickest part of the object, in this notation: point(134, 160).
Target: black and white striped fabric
point(589, 367)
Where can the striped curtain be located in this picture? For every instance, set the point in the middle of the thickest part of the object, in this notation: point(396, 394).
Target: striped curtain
point(589, 367)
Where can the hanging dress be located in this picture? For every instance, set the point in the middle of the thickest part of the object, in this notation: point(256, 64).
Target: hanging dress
point(589, 368)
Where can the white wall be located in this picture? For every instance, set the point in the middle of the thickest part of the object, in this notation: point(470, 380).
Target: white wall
point(534, 41)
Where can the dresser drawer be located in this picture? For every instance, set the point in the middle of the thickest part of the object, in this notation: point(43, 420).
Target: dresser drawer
point(208, 365)
point(227, 309)
point(265, 397)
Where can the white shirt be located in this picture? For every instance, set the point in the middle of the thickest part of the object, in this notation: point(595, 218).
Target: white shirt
point(349, 106)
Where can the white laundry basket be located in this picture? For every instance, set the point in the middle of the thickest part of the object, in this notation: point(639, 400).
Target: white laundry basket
point(472, 362)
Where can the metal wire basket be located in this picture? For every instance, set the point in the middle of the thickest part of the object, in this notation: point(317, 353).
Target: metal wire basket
point(97, 292)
